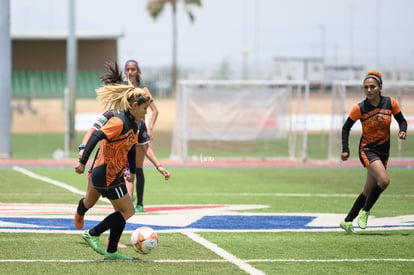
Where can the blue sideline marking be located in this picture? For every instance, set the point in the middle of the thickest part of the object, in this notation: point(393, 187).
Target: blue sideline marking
point(218, 222)
point(229, 222)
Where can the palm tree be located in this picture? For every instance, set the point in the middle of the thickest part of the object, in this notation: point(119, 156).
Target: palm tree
point(155, 8)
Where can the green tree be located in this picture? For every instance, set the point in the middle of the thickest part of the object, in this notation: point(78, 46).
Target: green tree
point(155, 8)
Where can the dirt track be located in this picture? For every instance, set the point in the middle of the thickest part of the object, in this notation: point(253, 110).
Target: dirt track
point(47, 115)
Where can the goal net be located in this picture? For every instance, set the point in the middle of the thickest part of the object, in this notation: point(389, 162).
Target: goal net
point(345, 94)
point(240, 120)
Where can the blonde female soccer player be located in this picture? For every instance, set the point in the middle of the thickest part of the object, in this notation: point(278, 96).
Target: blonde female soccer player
point(118, 138)
point(113, 75)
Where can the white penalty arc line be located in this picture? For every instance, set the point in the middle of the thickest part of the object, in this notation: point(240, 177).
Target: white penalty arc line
point(51, 181)
point(212, 261)
point(224, 254)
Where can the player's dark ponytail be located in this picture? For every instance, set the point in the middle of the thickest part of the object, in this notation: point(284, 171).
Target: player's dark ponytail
point(112, 74)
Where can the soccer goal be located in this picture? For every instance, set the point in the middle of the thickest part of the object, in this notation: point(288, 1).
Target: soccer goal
point(237, 120)
point(345, 94)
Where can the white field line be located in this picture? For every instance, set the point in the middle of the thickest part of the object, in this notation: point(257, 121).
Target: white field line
point(224, 254)
point(94, 261)
point(327, 260)
point(77, 191)
point(51, 181)
point(214, 261)
point(228, 257)
point(182, 231)
point(289, 195)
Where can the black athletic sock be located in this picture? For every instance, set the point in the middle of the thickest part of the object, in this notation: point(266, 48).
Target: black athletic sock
point(81, 208)
point(358, 204)
point(103, 225)
point(372, 197)
point(117, 228)
point(139, 173)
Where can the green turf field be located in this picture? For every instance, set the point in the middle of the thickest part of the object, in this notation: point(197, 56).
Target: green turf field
point(306, 190)
point(42, 146)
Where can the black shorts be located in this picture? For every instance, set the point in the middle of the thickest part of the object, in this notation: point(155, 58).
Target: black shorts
point(115, 190)
point(367, 156)
point(113, 193)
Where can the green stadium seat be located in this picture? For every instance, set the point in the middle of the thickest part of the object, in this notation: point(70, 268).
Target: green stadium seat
point(51, 84)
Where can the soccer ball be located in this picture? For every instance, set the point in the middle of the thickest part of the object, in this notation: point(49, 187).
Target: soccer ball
point(144, 240)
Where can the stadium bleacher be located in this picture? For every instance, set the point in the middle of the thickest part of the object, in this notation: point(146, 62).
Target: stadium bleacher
point(51, 84)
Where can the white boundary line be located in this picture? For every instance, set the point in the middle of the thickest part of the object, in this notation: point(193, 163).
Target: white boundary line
point(213, 261)
point(228, 257)
point(106, 261)
point(224, 254)
point(48, 180)
point(174, 231)
point(328, 260)
point(51, 181)
point(213, 247)
point(290, 195)
point(77, 191)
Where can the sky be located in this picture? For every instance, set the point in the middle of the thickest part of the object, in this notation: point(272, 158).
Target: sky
point(375, 34)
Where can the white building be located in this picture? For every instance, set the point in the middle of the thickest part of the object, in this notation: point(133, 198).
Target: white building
point(297, 68)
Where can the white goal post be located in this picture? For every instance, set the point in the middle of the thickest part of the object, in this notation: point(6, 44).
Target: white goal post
point(345, 91)
point(240, 119)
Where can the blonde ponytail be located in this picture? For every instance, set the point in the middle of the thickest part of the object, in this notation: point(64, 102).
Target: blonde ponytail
point(120, 97)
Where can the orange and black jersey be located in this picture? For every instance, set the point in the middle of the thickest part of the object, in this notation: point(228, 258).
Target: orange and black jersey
point(118, 138)
point(375, 122)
